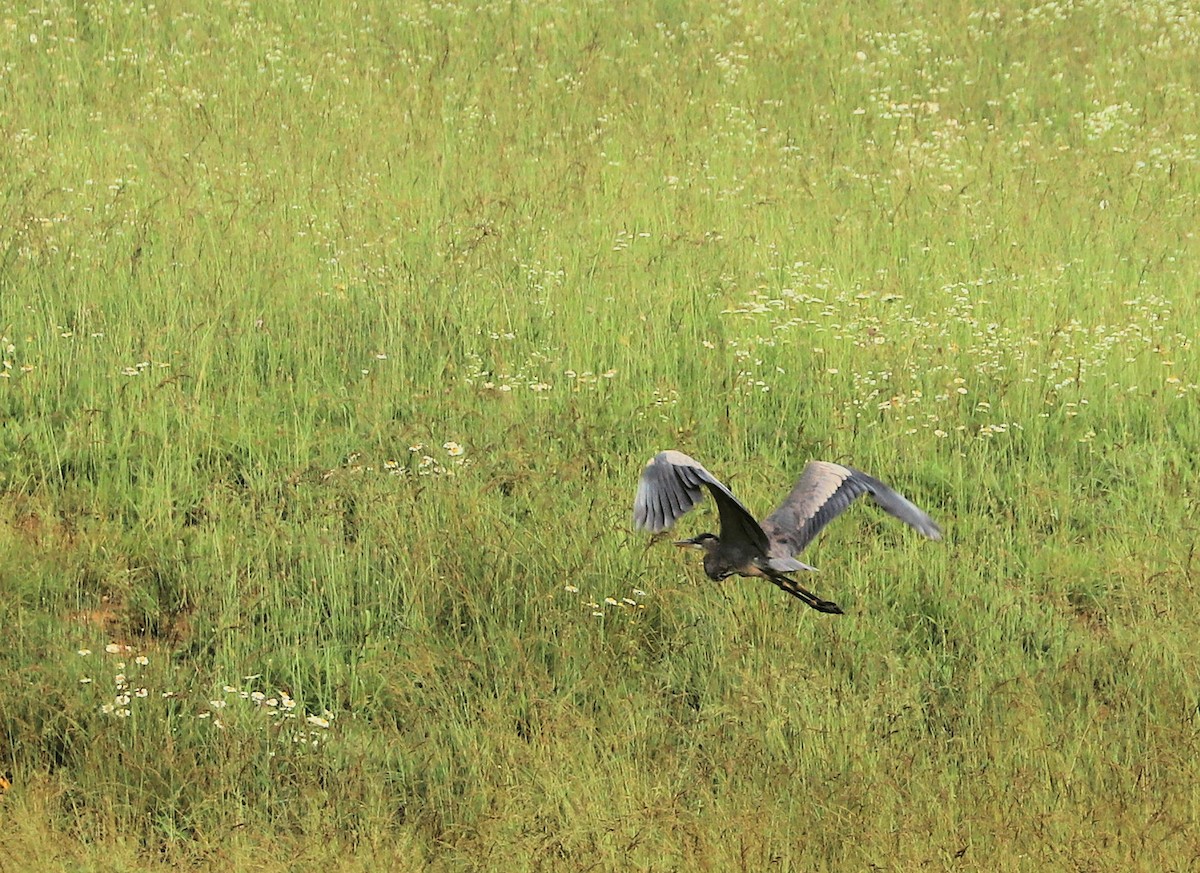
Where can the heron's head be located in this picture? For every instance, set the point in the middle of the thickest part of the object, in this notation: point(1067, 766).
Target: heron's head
point(705, 542)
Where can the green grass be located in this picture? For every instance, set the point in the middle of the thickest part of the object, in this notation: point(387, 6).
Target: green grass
point(263, 265)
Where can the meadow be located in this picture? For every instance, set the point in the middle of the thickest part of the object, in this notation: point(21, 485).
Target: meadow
point(334, 338)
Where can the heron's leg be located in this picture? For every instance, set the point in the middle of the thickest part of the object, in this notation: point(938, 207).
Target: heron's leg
point(796, 590)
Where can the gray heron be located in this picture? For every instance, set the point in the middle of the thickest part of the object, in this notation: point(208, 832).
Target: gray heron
point(672, 483)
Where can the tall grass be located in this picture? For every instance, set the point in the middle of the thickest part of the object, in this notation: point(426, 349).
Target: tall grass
point(334, 338)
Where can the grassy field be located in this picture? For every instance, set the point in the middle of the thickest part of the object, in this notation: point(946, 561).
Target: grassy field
point(335, 336)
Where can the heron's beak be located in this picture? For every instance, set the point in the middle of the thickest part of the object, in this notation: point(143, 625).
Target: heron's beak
point(688, 544)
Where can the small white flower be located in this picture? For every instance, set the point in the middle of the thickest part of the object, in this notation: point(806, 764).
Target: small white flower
point(571, 589)
point(85, 681)
point(141, 660)
point(83, 653)
point(318, 721)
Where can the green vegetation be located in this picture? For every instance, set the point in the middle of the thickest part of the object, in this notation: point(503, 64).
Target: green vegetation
point(334, 338)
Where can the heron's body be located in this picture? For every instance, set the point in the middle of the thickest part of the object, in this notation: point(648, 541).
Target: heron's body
point(672, 483)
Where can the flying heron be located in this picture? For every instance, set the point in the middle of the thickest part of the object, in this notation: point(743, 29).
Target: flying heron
point(671, 485)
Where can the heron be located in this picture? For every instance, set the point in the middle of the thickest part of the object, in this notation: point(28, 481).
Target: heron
point(672, 483)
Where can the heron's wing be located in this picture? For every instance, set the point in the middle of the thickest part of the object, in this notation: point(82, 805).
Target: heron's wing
point(823, 492)
point(672, 483)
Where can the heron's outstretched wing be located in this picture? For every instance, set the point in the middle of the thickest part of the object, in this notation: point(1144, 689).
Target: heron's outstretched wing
point(671, 485)
point(823, 492)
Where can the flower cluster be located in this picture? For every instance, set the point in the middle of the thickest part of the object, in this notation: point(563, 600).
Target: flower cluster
point(130, 685)
point(7, 364)
point(422, 460)
point(138, 368)
point(430, 465)
point(597, 608)
point(537, 374)
point(964, 352)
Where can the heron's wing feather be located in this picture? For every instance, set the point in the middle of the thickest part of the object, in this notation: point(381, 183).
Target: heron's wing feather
point(899, 506)
point(665, 492)
point(672, 483)
point(823, 492)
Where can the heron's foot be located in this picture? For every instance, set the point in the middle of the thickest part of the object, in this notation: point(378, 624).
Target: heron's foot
point(827, 606)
